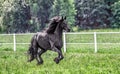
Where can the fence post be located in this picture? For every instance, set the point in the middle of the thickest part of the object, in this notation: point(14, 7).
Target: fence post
point(64, 43)
point(14, 42)
point(95, 42)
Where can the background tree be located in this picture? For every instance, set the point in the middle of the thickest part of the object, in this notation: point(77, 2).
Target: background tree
point(44, 11)
point(116, 15)
point(92, 14)
point(7, 14)
point(16, 16)
point(1, 8)
point(65, 8)
point(32, 15)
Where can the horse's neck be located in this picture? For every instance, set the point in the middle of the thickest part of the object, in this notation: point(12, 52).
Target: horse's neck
point(58, 32)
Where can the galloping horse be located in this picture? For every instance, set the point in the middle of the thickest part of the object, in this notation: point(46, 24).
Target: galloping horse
point(49, 39)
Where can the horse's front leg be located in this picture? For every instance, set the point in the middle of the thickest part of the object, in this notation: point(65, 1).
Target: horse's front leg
point(60, 55)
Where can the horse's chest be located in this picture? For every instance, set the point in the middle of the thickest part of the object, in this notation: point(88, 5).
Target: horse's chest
point(55, 41)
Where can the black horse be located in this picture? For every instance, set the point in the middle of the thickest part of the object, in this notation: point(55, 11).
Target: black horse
point(49, 39)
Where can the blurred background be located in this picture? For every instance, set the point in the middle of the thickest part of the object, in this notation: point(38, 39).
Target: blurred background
point(24, 16)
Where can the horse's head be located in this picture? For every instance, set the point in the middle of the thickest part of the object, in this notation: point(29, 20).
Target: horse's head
point(64, 24)
point(55, 21)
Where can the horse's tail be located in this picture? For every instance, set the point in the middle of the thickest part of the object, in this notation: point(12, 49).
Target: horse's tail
point(33, 44)
point(32, 48)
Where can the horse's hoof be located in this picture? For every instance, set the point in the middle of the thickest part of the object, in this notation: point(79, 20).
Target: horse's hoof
point(39, 63)
point(56, 60)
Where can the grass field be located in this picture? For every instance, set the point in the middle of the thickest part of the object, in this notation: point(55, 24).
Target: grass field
point(79, 59)
point(77, 63)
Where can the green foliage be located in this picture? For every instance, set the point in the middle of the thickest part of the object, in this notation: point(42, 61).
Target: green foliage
point(65, 8)
point(92, 14)
point(75, 29)
point(116, 14)
point(33, 15)
point(44, 12)
point(16, 16)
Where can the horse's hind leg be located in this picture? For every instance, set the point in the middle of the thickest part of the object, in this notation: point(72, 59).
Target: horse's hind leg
point(31, 58)
point(39, 58)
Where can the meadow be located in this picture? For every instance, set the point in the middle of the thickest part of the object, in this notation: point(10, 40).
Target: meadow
point(79, 59)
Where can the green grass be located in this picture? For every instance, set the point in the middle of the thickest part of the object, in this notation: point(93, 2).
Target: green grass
point(78, 63)
point(102, 48)
point(79, 59)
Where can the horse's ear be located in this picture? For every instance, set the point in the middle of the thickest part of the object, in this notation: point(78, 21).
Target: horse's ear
point(65, 18)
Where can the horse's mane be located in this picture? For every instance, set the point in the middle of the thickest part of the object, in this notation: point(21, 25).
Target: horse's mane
point(53, 24)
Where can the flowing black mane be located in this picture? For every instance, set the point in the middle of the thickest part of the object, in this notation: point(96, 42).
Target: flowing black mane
point(53, 24)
